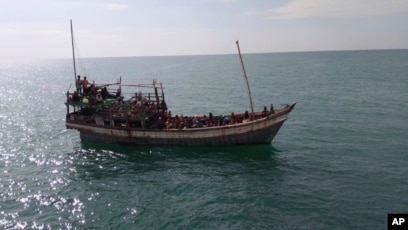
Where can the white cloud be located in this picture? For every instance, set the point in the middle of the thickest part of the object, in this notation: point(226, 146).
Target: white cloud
point(29, 30)
point(114, 6)
point(223, 1)
point(228, 1)
point(334, 8)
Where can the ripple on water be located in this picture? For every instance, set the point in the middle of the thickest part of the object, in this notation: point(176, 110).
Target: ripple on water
point(340, 158)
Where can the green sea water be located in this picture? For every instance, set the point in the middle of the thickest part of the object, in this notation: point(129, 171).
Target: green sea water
point(339, 162)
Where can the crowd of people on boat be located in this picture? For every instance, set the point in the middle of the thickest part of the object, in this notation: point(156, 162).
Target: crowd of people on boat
point(183, 122)
point(139, 111)
point(158, 117)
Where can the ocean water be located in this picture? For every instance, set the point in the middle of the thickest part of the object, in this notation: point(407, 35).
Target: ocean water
point(339, 162)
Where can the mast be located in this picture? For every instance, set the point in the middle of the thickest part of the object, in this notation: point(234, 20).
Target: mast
point(73, 51)
point(246, 79)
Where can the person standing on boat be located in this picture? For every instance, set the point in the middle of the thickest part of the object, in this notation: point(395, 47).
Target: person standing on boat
point(85, 86)
point(79, 85)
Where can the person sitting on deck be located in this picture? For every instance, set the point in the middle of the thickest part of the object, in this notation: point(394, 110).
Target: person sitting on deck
point(233, 119)
point(196, 123)
point(91, 89)
point(105, 94)
point(99, 99)
point(92, 97)
point(163, 105)
point(188, 122)
point(239, 118)
point(169, 124)
point(168, 115)
point(159, 124)
point(119, 92)
point(117, 105)
point(139, 96)
point(211, 120)
point(120, 101)
point(133, 100)
point(246, 116)
point(226, 120)
point(204, 121)
point(76, 97)
point(177, 122)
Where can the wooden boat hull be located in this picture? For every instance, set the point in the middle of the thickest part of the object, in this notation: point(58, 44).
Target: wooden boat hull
point(260, 131)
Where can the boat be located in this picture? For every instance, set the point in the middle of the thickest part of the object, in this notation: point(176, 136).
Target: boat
point(144, 118)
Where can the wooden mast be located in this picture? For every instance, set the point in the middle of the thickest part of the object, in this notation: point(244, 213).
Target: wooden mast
point(246, 80)
point(73, 51)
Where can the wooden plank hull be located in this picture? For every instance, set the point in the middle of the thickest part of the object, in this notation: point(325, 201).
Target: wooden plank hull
point(260, 131)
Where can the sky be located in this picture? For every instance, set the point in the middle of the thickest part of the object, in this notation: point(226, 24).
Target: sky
point(117, 28)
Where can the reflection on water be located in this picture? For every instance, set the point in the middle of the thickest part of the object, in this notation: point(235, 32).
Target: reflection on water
point(324, 167)
point(255, 151)
point(115, 158)
point(171, 180)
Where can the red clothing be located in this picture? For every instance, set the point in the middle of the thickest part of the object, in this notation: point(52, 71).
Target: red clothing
point(85, 84)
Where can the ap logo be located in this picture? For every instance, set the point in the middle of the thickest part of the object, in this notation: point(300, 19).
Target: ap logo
point(397, 221)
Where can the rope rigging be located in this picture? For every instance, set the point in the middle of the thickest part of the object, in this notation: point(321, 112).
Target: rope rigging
point(82, 68)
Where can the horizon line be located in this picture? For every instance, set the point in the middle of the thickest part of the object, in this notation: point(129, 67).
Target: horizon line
point(190, 55)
